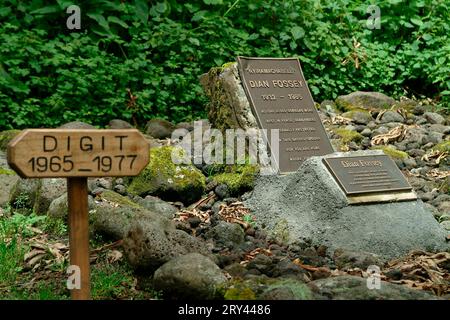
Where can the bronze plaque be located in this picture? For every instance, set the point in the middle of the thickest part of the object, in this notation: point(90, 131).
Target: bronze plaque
point(280, 99)
point(367, 174)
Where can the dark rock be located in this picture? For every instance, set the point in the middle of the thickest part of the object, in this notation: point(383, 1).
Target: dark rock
point(346, 259)
point(194, 222)
point(226, 234)
point(216, 207)
point(157, 205)
point(154, 240)
point(355, 288)
point(159, 128)
point(394, 274)
point(261, 262)
point(419, 110)
point(119, 124)
point(285, 267)
point(190, 276)
point(222, 191)
point(434, 118)
point(392, 116)
point(120, 189)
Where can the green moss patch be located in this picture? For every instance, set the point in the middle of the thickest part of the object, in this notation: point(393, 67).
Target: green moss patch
point(171, 181)
point(238, 178)
point(348, 135)
point(444, 146)
point(6, 171)
point(392, 152)
point(6, 137)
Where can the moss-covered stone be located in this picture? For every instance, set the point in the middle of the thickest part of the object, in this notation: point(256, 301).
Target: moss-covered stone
point(6, 171)
point(240, 294)
point(238, 178)
point(280, 232)
point(348, 135)
point(170, 181)
point(6, 137)
point(114, 197)
point(392, 152)
point(444, 146)
point(287, 289)
point(364, 100)
point(359, 116)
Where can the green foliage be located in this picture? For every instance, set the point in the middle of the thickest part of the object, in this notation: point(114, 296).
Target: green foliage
point(141, 59)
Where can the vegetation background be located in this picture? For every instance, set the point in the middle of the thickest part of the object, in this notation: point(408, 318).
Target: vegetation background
point(137, 60)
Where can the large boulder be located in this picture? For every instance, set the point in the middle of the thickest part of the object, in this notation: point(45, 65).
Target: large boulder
point(119, 124)
point(153, 240)
point(364, 100)
point(168, 180)
point(50, 189)
point(113, 215)
point(190, 276)
point(356, 288)
point(24, 193)
point(59, 207)
point(309, 205)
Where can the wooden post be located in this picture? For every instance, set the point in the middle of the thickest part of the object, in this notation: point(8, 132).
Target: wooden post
point(79, 234)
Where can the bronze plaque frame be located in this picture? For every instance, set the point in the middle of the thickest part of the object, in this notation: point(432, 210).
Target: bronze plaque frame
point(280, 99)
point(367, 174)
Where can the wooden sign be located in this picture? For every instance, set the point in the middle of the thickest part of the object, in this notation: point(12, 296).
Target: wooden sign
point(367, 174)
point(78, 154)
point(46, 153)
point(280, 99)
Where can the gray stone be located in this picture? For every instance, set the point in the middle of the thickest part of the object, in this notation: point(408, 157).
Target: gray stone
point(119, 124)
point(446, 225)
point(120, 189)
point(419, 110)
point(434, 118)
point(355, 288)
point(392, 116)
point(346, 259)
point(154, 240)
point(366, 132)
point(444, 207)
point(49, 190)
point(76, 125)
point(440, 128)
point(190, 276)
point(416, 135)
point(360, 117)
point(157, 205)
point(310, 205)
point(366, 100)
point(328, 106)
point(189, 126)
point(222, 191)
point(434, 137)
point(59, 208)
point(287, 289)
point(409, 163)
point(159, 128)
point(25, 193)
point(226, 234)
point(7, 183)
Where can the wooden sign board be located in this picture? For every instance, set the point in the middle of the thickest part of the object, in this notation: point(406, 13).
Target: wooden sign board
point(77, 154)
point(280, 99)
point(369, 178)
point(47, 153)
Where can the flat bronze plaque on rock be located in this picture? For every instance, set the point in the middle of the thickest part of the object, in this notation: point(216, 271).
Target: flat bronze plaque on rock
point(367, 174)
point(280, 99)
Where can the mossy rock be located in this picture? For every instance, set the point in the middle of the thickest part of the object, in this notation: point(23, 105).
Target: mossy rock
point(168, 180)
point(444, 146)
point(364, 100)
point(6, 171)
point(6, 137)
point(348, 135)
point(358, 115)
point(287, 289)
point(392, 152)
point(238, 178)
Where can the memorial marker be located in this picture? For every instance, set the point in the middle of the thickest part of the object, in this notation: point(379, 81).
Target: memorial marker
point(369, 174)
point(77, 154)
point(280, 99)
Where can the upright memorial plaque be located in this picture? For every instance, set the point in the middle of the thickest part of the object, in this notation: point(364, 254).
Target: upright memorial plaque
point(280, 99)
